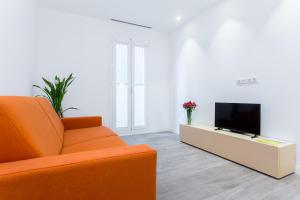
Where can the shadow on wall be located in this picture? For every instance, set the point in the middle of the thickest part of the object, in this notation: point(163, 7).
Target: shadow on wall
point(224, 30)
point(250, 15)
point(236, 35)
point(284, 28)
point(186, 67)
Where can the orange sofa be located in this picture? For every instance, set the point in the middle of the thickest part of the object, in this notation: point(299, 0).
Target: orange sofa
point(45, 158)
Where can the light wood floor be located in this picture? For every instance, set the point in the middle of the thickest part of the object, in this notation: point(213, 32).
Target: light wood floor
point(187, 173)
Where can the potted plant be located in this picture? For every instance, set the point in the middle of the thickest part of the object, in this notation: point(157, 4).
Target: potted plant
point(55, 92)
point(189, 107)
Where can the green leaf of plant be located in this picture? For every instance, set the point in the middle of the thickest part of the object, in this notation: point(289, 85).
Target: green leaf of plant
point(71, 108)
point(55, 92)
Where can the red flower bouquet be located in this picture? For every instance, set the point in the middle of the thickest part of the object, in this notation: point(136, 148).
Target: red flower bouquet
point(189, 107)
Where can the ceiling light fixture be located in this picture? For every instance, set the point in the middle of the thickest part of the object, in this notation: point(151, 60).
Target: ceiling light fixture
point(178, 18)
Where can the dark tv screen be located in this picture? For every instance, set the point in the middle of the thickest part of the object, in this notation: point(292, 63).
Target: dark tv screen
point(238, 117)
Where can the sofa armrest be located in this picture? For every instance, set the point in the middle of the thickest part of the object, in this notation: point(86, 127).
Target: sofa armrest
point(81, 122)
point(114, 174)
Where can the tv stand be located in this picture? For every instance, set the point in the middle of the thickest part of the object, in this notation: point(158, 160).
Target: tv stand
point(252, 136)
point(274, 160)
point(238, 132)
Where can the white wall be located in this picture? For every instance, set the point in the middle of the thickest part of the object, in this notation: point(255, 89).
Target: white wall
point(83, 45)
point(240, 39)
point(17, 46)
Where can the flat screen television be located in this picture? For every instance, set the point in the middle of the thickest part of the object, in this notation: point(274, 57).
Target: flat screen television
point(238, 117)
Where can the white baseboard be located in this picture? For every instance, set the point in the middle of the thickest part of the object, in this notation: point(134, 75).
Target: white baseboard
point(174, 131)
point(142, 132)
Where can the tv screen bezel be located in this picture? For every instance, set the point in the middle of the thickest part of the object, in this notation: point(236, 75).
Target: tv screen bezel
point(237, 130)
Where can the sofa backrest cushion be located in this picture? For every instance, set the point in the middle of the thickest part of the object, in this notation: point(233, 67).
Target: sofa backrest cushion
point(52, 115)
point(25, 130)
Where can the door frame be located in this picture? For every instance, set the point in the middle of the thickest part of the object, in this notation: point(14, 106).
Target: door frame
point(131, 129)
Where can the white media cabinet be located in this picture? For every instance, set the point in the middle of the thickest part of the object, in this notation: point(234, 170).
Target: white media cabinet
point(274, 160)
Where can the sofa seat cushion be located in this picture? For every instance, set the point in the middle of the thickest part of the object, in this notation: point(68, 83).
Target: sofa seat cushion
point(95, 144)
point(76, 136)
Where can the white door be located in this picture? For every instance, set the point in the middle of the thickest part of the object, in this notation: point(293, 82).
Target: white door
point(129, 87)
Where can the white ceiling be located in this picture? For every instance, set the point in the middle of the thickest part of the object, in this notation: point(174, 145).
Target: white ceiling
point(159, 14)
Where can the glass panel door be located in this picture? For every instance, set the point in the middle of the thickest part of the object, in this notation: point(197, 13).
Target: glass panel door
point(122, 90)
point(139, 87)
point(129, 84)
